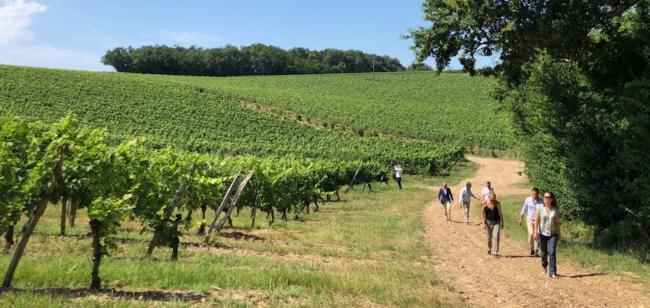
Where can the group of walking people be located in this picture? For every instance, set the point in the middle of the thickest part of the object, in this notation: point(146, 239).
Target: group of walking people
point(541, 214)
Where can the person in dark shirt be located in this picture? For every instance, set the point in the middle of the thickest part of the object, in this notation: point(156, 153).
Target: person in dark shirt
point(446, 198)
point(492, 222)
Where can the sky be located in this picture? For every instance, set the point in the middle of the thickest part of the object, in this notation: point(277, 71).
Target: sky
point(74, 34)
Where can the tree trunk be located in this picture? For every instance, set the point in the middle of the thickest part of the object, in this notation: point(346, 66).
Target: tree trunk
point(9, 237)
point(254, 209)
point(95, 281)
point(176, 238)
point(204, 208)
point(271, 215)
point(72, 216)
point(33, 221)
point(64, 203)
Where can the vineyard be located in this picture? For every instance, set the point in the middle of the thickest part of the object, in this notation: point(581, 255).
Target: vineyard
point(64, 163)
point(133, 194)
point(168, 158)
point(192, 119)
point(448, 108)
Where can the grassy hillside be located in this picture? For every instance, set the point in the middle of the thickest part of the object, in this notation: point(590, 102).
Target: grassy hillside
point(191, 118)
point(449, 108)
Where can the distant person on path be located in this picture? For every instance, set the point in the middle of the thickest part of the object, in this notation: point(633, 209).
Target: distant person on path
point(446, 198)
point(547, 229)
point(493, 222)
point(529, 209)
point(398, 175)
point(486, 191)
point(466, 196)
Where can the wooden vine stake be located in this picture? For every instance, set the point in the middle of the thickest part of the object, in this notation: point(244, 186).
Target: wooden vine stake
point(235, 199)
point(353, 179)
point(31, 225)
point(170, 208)
point(217, 213)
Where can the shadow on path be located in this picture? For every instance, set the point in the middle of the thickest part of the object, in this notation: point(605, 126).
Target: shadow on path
point(582, 275)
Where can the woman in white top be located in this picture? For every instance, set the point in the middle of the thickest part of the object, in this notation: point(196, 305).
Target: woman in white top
point(486, 191)
point(547, 225)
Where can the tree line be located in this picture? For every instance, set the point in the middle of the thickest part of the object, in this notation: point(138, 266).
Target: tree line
point(256, 59)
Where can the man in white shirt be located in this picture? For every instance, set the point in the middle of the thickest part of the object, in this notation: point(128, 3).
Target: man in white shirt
point(531, 204)
point(466, 196)
point(398, 175)
point(487, 190)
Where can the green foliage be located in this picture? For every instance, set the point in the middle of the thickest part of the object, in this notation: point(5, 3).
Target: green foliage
point(15, 146)
point(109, 212)
point(256, 59)
point(167, 113)
point(575, 76)
point(130, 181)
point(449, 108)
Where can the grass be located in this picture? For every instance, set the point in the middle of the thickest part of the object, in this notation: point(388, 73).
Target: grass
point(573, 249)
point(367, 250)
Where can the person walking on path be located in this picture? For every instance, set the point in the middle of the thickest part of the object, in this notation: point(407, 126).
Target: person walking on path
point(547, 229)
point(493, 222)
point(446, 198)
point(466, 196)
point(528, 210)
point(398, 175)
point(487, 190)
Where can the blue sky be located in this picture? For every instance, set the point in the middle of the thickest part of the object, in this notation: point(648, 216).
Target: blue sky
point(76, 33)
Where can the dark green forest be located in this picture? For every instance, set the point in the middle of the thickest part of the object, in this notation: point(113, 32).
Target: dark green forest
point(256, 59)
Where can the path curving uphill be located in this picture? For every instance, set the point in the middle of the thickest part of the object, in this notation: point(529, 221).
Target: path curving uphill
point(514, 279)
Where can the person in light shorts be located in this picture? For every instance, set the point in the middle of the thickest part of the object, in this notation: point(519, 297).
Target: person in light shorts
point(531, 204)
point(465, 199)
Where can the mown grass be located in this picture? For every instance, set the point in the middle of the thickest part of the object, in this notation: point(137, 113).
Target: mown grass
point(570, 248)
point(367, 250)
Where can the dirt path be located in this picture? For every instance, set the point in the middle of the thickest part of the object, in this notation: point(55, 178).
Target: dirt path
point(514, 279)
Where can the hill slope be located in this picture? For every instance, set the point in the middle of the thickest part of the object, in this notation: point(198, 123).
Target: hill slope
point(449, 108)
point(186, 117)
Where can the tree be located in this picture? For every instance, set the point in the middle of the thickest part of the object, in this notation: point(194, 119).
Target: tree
point(255, 59)
point(419, 66)
point(575, 78)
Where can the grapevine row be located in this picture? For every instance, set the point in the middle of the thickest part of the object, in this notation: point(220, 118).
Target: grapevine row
point(65, 162)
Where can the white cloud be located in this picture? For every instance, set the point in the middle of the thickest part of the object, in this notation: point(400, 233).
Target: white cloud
point(15, 19)
point(49, 56)
point(189, 38)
